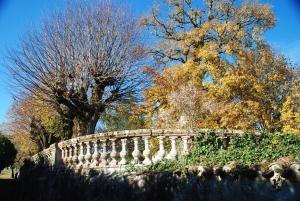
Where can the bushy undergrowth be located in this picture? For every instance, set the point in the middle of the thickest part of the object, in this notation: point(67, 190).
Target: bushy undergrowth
point(246, 150)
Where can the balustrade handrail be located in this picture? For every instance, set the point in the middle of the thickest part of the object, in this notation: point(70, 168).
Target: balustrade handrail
point(151, 133)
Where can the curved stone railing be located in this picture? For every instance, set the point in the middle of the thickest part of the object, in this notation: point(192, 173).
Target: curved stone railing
point(115, 151)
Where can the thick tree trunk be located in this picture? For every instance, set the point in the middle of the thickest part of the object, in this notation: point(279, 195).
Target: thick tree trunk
point(68, 128)
point(93, 123)
point(87, 124)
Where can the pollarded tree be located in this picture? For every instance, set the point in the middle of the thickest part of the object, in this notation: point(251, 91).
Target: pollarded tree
point(7, 152)
point(81, 61)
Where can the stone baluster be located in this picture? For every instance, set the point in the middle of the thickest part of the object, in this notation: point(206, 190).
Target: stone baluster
point(88, 155)
point(70, 158)
point(95, 155)
point(123, 153)
point(136, 153)
point(75, 155)
point(173, 153)
point(80, 156)
point(103, 154)
point(161, 152)
point(146, 152)
point(185, 146)
point(64, 155)
point(113, 153)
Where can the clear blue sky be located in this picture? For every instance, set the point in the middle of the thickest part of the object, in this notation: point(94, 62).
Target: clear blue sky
point(19, 16)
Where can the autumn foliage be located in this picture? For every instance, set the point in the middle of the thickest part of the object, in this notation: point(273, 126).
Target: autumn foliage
point(219, 71)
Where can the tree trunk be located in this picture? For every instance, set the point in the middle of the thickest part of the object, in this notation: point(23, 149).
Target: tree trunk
point(88, 122)
point(93, 124)
point(12, 172)
point(68, 129)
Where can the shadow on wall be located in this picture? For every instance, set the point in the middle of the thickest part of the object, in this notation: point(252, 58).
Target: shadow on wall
point(40, 184)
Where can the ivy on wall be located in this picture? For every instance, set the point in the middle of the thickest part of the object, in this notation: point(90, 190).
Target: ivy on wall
point(248, 149)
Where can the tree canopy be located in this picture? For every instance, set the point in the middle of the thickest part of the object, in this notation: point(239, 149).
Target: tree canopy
point(7, 152)
point(220, 72)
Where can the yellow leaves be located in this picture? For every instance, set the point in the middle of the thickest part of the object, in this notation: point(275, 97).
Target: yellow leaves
point(249, 80)
point(291, 112)
point(258, 12)
point(208, 52)
point(234, 116)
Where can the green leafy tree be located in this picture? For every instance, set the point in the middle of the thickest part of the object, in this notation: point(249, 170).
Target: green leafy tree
point(8, 152)
point(123, 117)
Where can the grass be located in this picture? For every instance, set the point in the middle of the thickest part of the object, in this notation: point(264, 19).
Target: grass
point(5, 174)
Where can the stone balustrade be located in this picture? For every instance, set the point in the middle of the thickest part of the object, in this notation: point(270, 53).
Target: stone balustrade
point(115, 151)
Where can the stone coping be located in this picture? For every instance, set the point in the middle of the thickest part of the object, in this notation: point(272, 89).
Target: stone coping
point(151, 133)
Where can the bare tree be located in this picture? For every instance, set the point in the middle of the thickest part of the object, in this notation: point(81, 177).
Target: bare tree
point(81, 61)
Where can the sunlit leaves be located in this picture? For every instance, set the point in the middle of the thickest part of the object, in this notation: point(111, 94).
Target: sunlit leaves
point(249, 82)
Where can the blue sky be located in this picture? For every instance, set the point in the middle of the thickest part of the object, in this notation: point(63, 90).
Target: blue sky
point(19, 16)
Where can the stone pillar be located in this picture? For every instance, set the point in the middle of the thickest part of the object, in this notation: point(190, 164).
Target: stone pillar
point(70, 158)
point(146, 152)
point(103, 154)
point(123, 153)
point(161, 152)
point(185, 146)
point(80, 156)
point(88, 155)
point(64, 155)
point(136, 152)
point(113, 153)
point(95, 155)
point(75, 155)
point(173, 153)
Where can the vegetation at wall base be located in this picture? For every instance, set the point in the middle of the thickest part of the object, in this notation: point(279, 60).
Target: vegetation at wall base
point(244, 152)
